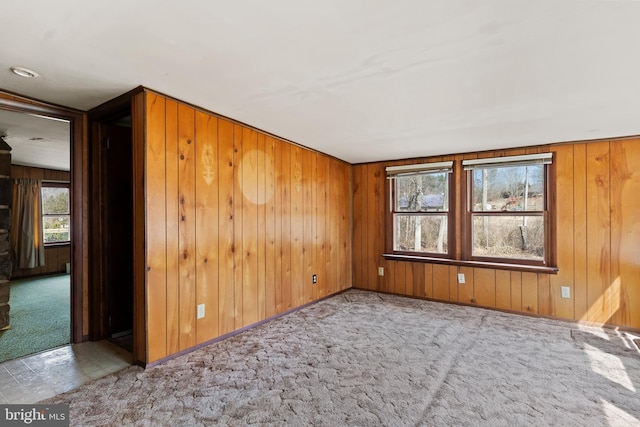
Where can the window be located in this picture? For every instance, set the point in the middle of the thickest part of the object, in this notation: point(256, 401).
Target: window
point(420, 207)
point(492, 212)
point(56, 219)
point(508, 208)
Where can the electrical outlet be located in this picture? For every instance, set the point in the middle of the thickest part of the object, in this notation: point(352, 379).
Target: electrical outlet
point(314, 278)
point(380, 271)
point(565, 291)
point(200, 311)
point(460, 277)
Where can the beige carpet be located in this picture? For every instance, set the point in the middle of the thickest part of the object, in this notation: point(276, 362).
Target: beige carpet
point(365, 359)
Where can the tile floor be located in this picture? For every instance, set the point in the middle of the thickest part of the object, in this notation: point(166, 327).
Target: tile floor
point(33, 378)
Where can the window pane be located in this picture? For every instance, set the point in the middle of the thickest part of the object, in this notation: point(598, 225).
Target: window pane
point(422, 192)
point(56, 228)
point(514, 188)
point(421, 233)
point(55, 200)
point(508, 236)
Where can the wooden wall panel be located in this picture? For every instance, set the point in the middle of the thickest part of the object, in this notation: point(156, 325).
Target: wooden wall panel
point(465, 290)
point(206, 192)
point(298, 281)
point(187, 227)
point(441, 282)
point(625, 232)
point(270, 227)
point(308, 225)
point(248, 178)
point(226, 283)
point(484, 287)
point(238, 221)
point(597, 230)
point(156, 231)
point(172, 226)
point(598, 235)
point(564, 307)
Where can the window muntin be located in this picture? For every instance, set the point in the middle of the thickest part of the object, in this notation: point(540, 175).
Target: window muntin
point(56, 217)
point(420, 212)
point(508, 205)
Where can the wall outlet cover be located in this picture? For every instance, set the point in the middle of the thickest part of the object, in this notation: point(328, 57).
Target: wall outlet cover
point(380, 271)
point(460, 277)
point(565, 291)
point(200, 311)
point(314, 278)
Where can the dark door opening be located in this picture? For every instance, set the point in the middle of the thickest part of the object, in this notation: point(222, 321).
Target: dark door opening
point(118, 208)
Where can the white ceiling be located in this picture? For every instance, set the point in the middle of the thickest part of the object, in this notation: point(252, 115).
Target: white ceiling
point(362, 80)
point(36, 141)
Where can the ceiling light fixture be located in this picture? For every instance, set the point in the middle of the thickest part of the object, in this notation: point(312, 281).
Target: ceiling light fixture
point(24, 72)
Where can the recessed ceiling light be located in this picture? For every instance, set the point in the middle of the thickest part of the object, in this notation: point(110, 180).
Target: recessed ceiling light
point(24, 72)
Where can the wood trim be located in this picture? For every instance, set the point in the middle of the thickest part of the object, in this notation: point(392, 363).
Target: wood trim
point(471, 263)
point(140, 324)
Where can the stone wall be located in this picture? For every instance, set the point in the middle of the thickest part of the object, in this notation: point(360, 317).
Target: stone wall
point(5, 225)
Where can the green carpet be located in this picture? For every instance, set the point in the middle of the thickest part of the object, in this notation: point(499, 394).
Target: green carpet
point(39, 316)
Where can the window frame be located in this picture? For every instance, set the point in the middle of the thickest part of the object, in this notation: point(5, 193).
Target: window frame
point(418, 169)
point(460, 230)
point(471, 213)
point(56, 184)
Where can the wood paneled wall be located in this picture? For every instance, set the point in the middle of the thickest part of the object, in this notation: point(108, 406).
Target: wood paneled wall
point(56, 257)
point(598, 232)
point(236, 220)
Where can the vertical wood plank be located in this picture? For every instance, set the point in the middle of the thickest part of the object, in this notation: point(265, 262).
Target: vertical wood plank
point(226, 285)
point(545, 300)
point(298, 281)
point(516, 291)
point(376, 205)
point(484, 287)
point(580, 230)
point(307, 212)
point(285, 219)
point(262, 226)
point(441, 282)
point(270, 228)
point(187, 265)
point(598, 233)
point(530, 292)
point(238, 206)
point(418, 281)
point(625, 232)
point(428, 280)
point(250, 202)
point(320, 180)
point(346, 232)
point(359, 227)
point(206, 228)
point(400, 278)
point(503, 289)
point(453, 283)
point(155, 228)
point(172, 228)
point(465, 290)
point(564, 217)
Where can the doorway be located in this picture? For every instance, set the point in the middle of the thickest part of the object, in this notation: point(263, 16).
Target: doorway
point(117, 208)
point(47, 140)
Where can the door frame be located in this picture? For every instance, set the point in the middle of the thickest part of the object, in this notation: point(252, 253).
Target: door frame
point(79, 190)
point(133, 102)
